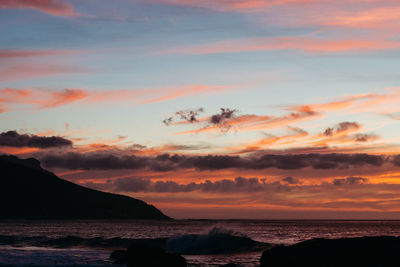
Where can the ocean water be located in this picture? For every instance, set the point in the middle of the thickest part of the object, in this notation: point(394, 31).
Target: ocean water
point(89, 243)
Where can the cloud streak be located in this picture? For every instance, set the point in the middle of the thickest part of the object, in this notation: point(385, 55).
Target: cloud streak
point(228, 119)
point(41, 99)
point(10, 98)
point(52, 7)
point(223, 186)
point(166, 162)
point(303, 44)
point(239, 184)
point(339, 14)
point(254, 122)
point(236, 5)
point(9, 54)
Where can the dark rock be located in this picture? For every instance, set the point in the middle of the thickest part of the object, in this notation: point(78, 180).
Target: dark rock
point(29, 192)
point(230, 265)
point(379, 251)
point(118, 256)
point(143, 255)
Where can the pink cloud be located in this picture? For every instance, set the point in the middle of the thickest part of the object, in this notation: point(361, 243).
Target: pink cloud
point(304, 44)
point(64, 97)
point(350, 104)
point(252, 122)
point(375, 18)
point(246, 6)
point(10, 98)
point(4, 53)
point(28, 64)
point(236, 5)
point(152, 95)
point(52, 7)
point(42, 99)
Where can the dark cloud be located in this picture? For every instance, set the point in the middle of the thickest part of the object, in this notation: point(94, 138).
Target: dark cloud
point(167, 162)
point(239, 184)
point(350, 181)
point(365, 137)
point(291, 180)
point(191, 116)
point(185, 115)
point(173, 147)
point(92, 161)
point(396, 160)
point(137, 147)
point(168, 121)
point(341, 127)
point(131, 185)
point(222, 117)
point(14, 139)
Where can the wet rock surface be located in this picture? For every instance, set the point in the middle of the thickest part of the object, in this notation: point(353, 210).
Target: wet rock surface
point(143, 255)
point(379, 251)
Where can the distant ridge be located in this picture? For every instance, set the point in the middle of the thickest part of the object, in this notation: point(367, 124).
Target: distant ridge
point(28, 191)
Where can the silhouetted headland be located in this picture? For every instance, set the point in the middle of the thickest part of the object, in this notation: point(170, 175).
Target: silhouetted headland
point(28, 191)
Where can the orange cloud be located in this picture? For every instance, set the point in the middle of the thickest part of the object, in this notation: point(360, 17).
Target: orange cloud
point(64, 97)
point(341, 104)
point(43, 99)
point(373, 16)
point(268, 141)
point(344, 137)
point(357, 103)
point(18, 150)
point(152, 95)
point(304, 44)
point(52, 7)
point(332, 195)
point(256, 122)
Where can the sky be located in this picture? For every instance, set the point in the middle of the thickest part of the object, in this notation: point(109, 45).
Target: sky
point(263, 109)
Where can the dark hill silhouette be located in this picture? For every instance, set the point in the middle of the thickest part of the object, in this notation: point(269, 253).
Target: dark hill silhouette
point(28, 191)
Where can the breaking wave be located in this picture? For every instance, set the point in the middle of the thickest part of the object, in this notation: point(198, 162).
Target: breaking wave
point(217, 241)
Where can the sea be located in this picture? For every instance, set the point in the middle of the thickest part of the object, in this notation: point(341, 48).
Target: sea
point(89, 243)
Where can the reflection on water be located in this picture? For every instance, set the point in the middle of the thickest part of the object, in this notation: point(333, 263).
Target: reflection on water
point(277, 232)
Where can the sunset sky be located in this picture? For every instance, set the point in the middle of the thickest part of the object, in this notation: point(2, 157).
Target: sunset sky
point(269, 109)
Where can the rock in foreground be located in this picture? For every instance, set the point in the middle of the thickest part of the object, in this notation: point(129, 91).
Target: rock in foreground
point(379, 251)
point(142, 255)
